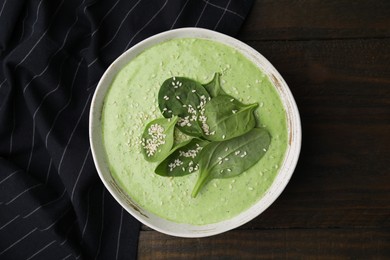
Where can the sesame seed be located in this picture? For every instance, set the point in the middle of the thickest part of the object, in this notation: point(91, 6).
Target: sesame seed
point(229, 170)
point(174, 78)
point(177, 97)
point(250, 188)
point(226, 149)
point(157, 138)
point(237, 152)
point(226, 159)
point(223, 136)
point(193, 91)
point(231, 100)
point(264, 149)
point(220, 162)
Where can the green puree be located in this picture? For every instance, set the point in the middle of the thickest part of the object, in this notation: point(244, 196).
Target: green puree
point(132, 102)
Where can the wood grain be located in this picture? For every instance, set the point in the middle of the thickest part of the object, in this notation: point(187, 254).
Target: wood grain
point(343, 94)
point(317, 19)
point(335, 57)
point(270, 244)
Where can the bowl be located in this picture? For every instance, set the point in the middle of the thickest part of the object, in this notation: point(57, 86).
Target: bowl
point(186, 230)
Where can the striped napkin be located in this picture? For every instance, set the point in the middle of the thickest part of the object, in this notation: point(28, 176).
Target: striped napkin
point(53, 53)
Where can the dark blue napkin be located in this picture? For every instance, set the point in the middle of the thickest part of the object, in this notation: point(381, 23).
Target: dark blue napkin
point(53, 53)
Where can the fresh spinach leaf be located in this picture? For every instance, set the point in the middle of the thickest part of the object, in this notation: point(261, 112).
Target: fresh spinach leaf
point(230, 158)
point(214, 86)
point(182, 160)
point(227, 118)
point(157, 138)
point(185, 98)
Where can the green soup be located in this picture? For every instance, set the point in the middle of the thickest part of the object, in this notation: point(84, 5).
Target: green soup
point(131, 103)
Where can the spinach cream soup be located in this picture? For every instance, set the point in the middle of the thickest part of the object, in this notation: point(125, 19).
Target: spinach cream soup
point(132, 102)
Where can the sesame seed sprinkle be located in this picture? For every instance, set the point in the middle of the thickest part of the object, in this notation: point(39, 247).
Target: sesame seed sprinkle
point(157, 138)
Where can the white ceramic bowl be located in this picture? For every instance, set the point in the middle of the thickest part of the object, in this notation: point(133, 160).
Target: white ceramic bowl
point(186, 230)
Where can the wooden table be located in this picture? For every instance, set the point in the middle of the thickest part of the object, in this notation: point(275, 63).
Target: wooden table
point(335, 57)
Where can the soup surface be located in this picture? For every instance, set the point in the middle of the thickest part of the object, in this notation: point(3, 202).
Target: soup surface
point(131, 103)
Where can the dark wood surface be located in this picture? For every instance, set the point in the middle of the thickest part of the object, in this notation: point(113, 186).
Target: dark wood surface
point(335, 57)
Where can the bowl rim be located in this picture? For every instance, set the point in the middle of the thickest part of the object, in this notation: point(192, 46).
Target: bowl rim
point(186, 230)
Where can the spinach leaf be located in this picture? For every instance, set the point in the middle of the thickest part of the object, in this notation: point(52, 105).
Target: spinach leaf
point(157, 138)
point(227, 118)
point(185, 98)
point(214, 86)
point(230, 158)
point(182, 160)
